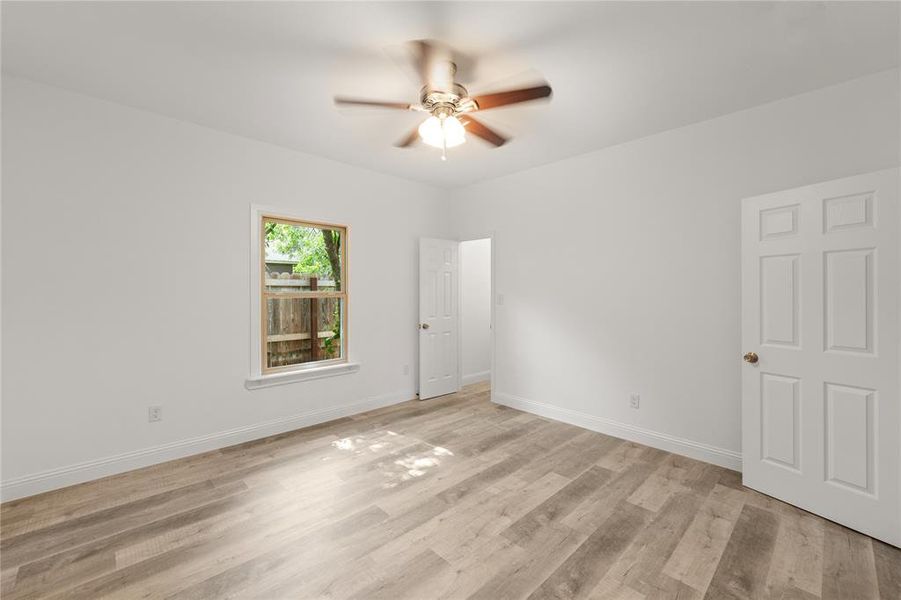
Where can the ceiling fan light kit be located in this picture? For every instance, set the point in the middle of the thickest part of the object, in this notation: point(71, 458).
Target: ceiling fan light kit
point(442, 132)
point(449, 104)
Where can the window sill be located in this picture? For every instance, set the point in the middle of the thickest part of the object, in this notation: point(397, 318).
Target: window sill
point(263, 381)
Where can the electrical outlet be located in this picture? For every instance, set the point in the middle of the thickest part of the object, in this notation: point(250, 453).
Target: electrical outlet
point(500, 299)
point(406, 369)
point(634, 400)
point(154, 414)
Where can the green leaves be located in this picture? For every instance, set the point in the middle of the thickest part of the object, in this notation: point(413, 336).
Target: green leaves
point(305, 244)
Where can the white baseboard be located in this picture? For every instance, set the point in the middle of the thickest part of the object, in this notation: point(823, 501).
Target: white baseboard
point(29, 485)
point(711, 454)
point(476, 377)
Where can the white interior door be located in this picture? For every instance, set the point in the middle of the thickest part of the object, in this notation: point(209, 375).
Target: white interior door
point(439, 276)
point(820, 307)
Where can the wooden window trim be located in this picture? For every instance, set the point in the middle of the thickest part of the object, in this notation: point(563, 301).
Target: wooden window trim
point(290, 295)
point(265, 217)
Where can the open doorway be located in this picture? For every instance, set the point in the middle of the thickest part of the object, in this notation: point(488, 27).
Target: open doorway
point(475, 312)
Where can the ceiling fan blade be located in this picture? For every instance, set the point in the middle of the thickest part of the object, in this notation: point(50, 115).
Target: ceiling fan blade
point(487, 101)
point(478, 129)
point(425, 59)
point(436, 63)
point(409, 140)
point(341, 101)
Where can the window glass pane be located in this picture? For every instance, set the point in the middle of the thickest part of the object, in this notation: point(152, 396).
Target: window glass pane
point(331, 313)
point(302, 258)
point(292, 325)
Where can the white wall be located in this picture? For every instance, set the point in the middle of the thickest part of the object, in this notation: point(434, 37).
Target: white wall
point(126, 258)
point(475, 308)
point(126, 283)
point(620, 268)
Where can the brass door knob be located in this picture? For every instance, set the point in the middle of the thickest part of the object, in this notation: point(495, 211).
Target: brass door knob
point(751, 357)
point(423, 325)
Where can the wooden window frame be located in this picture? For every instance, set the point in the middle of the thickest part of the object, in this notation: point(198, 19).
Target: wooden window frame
point(270, 217)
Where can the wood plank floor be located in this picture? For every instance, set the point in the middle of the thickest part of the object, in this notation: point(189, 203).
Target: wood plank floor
point(448, 498)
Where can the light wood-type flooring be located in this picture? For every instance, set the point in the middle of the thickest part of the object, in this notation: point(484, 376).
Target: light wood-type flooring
point(449, 498)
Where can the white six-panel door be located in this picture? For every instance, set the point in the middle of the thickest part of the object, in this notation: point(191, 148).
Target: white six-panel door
point(438, 317)
point(820, 308)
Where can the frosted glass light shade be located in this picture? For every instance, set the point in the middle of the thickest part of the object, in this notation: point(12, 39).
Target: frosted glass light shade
point(440, 133)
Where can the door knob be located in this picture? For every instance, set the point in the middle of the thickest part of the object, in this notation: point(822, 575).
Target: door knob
point(423, 325)
point(751, 357)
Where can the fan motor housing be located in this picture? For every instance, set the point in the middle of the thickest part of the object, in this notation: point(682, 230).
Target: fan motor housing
point(433, 98)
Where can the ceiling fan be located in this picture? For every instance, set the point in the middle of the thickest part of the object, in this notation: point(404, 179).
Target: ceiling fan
point(448, 103)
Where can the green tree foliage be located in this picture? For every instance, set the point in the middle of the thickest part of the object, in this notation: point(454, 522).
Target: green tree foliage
point(332, 345)
point(317, 251)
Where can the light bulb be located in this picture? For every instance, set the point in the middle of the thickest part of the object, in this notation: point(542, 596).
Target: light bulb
point(431, 133)
point(442, 133)
point(454, 134)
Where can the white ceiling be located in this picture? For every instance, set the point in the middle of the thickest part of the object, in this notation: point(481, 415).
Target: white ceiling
point(620, 70)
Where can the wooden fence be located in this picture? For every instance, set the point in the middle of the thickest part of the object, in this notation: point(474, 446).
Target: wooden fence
point(294, 322)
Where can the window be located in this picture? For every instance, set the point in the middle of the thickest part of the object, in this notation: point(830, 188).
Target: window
point(303, 294)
